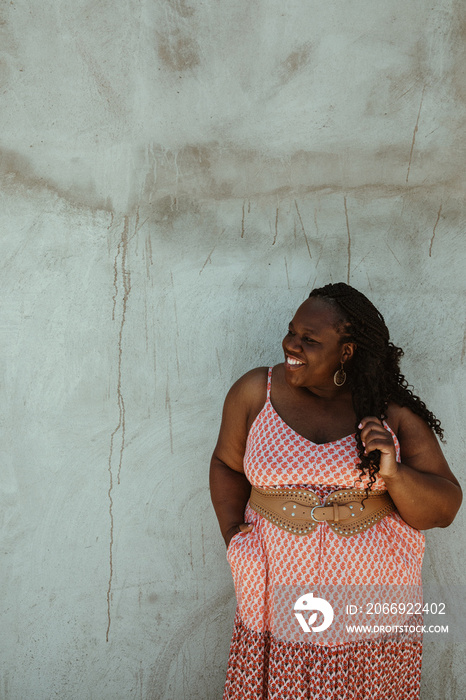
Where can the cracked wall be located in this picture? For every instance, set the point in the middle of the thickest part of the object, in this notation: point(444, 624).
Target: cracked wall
point(175, 178)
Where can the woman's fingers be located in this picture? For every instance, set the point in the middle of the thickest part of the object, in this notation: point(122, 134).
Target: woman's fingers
point(375, 436)
point(242, 527)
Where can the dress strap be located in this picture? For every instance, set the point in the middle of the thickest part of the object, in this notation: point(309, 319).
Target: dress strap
point(269, 383)
point(395, 441)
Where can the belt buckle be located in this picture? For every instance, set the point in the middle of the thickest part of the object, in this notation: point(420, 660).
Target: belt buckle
point(312, 514)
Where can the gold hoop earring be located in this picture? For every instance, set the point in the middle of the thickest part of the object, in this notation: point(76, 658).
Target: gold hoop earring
point(339, 378)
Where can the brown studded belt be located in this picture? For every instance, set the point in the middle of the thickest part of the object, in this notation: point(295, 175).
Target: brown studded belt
point(299, 511)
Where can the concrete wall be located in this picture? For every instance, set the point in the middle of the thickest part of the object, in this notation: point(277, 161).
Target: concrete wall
point(175, 177)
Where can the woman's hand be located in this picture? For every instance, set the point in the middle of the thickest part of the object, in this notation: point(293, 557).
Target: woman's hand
point(422, 486)
point(375, 436)
point(244, 527)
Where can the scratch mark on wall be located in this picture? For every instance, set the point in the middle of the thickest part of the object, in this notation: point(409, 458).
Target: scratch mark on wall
point(136, 229)
point(146, 323)
point(361, 261)
point(349, 243)
point(391, 251)
point(242, 223)
point(120, 271)
point(218, 361)
point(202, 547)
point(149, 260)
point(175, 309)
point(115, 280)
point(168, 407)
point(110, 489)
point(302, 227)
point(126, 279)
point(405, 92)
point(190, 552)
point(369, 282)
point(138, 226)
point(414, 134)
point(141, 679)
point(102, 83)
point(149, 247)
point(315, 221)
point(208, 259)
point(6, 684)
point(322, 250)
point(287, 276)
point(249, 206)
point(433, 233)
point(463, 351)
point(276, 226)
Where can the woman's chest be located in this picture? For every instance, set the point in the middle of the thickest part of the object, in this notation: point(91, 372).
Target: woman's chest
point(276, 455)
point(316, 423)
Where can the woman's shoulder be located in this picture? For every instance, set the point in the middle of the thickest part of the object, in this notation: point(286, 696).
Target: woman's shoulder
point(252, 384)
point(248, 394)
point(246, 398)
point(403, 419)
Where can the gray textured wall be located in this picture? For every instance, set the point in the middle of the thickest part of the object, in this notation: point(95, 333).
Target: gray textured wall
point(175, 177)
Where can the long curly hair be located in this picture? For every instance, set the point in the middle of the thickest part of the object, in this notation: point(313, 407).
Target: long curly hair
point(375, 378)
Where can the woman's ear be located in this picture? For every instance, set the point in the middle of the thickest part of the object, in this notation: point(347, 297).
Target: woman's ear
point(348, 351)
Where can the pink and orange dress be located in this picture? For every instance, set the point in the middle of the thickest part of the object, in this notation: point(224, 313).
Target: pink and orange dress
point(262, 664)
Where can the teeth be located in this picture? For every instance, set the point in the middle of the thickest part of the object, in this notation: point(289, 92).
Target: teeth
point(293, 361)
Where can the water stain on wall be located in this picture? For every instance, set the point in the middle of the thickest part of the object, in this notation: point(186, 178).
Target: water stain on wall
point(176, 42)
point(166, 210)
point(295, 62)
point(177, 51)
point(200, 171)
point(181, 7)
point(8, 43)
point(4, 73)
point(458, 50)
point(19, 175)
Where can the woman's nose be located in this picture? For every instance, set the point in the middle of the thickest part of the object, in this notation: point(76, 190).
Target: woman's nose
point(292, 343)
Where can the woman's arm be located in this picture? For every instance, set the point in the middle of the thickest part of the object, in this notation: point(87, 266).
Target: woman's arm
point(230, 492)
point(423, 488)
point(229, 487)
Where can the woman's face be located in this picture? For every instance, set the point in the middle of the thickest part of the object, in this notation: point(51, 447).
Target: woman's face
point(313, 347)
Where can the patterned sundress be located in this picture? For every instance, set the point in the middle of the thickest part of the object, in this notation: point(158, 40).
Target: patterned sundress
point(265, 665)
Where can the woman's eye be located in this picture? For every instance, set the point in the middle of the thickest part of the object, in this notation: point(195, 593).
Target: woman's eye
point(308, 340)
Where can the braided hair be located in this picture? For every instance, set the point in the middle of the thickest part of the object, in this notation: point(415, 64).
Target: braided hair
point(375, 378)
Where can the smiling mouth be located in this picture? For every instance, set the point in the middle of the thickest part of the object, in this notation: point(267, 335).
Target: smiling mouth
point(293, 362)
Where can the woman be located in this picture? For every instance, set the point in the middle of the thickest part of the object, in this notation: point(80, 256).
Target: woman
point(337, 424)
